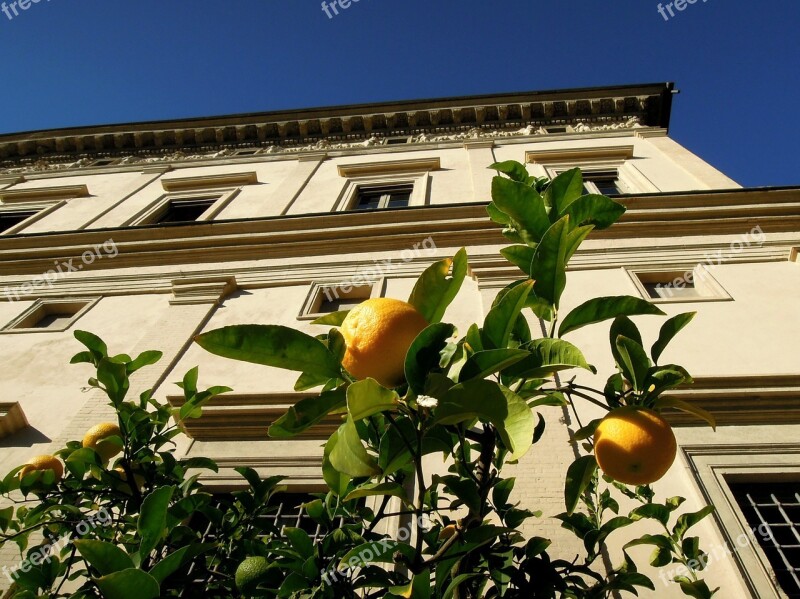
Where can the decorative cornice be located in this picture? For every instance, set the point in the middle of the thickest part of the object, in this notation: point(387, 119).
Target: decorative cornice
point(390, 166)
point(36, 194)
point(236, 416)
point(741, 400)
point(209, 181)
point(323, 129)
point(12, 419)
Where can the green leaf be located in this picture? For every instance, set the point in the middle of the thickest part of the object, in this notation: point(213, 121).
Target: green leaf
point(177, 559)
point(300, 541)
point(562, 192)
point(605, 308)
point(152, 524)
point(129, 584)
point(523, 205)
point(490, 402)
point(696, 588)
point(653, 511)
point(547, 356)
point(579, 476)
point(500, 320)
point(549, 263)
point(663, 378)
point(349, 455)
point(104, 557)
point(668, 331)
point(635, 364)
point(272, 345)
point(686, 521)
point(377, 489)
point(334, 319)
point(424, 354)
point(308, 381)
point(483, 363)
point(144, 359)
point(93, 343)
point(6, 515)
point(624, 326)
point(596, 210)
point(457, 582)
point(520, 256)
point(307, 412)
point(114, 377)
point(463, 489)
point(368, 397)
point(435, 290)
point(679, 404)
point(338, 482)
point(81, 460)
point(574, 240)
point(516, 171)
point(662, 555)
point(497, 215)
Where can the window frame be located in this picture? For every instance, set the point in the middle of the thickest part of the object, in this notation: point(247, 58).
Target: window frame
point(709, 289)
point(17, 325)
point(158, 208)
point(315, 298)
point(714, 466)
point(38, 210)
point(385, 198)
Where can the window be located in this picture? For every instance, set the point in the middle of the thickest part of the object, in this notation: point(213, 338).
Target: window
point(689, 285)
point(773, 509)
point(10, 219)
point(12, 419)
point(379, 198)
point(605, 183)
point(185, 211)
point(392, 141)
point(326, 298)
point(49, 316)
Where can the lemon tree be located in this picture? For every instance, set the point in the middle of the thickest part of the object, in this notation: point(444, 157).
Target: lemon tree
point(406, 387)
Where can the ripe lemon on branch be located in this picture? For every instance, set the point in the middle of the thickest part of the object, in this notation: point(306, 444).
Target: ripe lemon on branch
point(634, 445)
point(43, 463)
point(95, 438)
point(378, 333)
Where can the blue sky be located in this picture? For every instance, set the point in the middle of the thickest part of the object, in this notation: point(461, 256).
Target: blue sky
point(84, 62)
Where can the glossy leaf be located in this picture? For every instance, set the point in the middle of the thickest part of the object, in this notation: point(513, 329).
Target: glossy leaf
point(307, 412)
point(178, 559)
point(368, 397)
point(668, 331)
point(684, 406)
point(349, 456)
point(488, 401)
point(562, 192)
point(520, 256)
point(547, 356)
point(579, 476)
point(523, 205)
point(377, 489)
point(424, 354)
point(337, 481)
point(152, 523)
point(104, 557)
point(634, 361)
point(605, 308)
point(272, 345)
point(596, 210)
point(375, 553)
point(129, 584)
point(483, 363)
point(500, 320)
point(516, 171)
point(437, 286)
point(334, 319)
point(549, 263)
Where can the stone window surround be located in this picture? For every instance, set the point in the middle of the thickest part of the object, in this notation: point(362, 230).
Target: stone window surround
point(709, 290)
point(41, 200)
point(619, 158)
point(716, 465)
point(414, 172)
point(313, 301)
point(80, 305)
point(151, 213)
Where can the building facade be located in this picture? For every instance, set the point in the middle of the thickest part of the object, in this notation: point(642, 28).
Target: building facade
point(147, 234)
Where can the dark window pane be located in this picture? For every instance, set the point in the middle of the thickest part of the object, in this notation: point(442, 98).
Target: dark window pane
point(53, 321)
point(368, 200)
point(390, 196)
point(185, 212)
point(12, 219)
point(771, 510)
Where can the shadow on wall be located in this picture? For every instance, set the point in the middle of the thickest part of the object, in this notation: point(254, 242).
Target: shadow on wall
point(27, 437)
